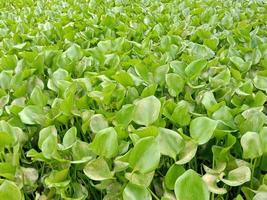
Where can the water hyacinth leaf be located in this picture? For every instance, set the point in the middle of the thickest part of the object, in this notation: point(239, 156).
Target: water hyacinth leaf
point(79, 192)
point(160, 74)
point(98, 170)
point(200, 51)
point(81, 152)
point(121, 162)
point(69, 138)
point(237, 176)
point(146, 131)
point(6, 139)
point(175, 84)
point(251, 145)
point(195, 68)
point(146, 110)
point(211, 182)
point(143, 90)
point(187, 153)
point(172, 174)
point(124, 78)
point(190, 186)
point(73, 52)
point(263, 139)
point(30, 176)
point(140, 179)
point(149, 90)
point(38, 98)
point(49, 146)
point(32, 115)
point(125, 114)
point(170, 142)
point(181, 114)
point(240, 63)
point(105, 143)
point(135, 192)
point(45, 133)
point(260, 196)
point(202, 129)
point(260, 81)
point(7, 170)
point(9, 190)
point(145, 155)
point(57, 178)
point(219, 168)
point(98, 122)
point(208, 100)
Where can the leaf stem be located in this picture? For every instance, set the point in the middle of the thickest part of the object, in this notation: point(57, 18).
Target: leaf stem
point(153, 194)
point(253, 163)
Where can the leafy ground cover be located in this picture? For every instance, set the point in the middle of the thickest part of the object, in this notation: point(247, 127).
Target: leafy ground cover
point(133, 100)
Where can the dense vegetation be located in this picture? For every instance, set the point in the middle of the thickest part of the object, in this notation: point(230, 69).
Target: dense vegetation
point(133, 100)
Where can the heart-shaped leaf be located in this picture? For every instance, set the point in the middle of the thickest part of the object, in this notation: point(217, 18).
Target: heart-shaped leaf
point(170, 142)
point(190, 186)
point(98, 170)
point(202, 129)
point(251, 145)
point(9, 190)
point(105, 143)
point(211, 182)
point(146, 110)
point(237, 176)
point(135, 192)
point(145, 155)
point(172, 174)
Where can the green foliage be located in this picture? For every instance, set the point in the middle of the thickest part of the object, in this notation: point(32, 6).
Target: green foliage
point(133, 100)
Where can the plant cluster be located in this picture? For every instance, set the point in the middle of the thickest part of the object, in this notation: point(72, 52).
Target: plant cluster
point(133, 99)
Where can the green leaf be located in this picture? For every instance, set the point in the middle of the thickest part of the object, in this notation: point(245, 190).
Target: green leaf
point(6, 139)
point(170, 142)
point(98, 123)
point(48, 141)
point(260, 81)
point(160, 74)
point(145, 155)
point(263, 139)
point(240, 63)
point(146, 110)
point(181, 114)
point(45, 133)
point(69, 138)
point(237, 176)
point(175, 84)
point(105, 143)
point(81, 152)
point(98, 170)
point(7, 170)
point(135, 192)
point(187, 153)
point(57, 178)
point(125, 114)
point(32, 115)
point(146, 131)
point(251, 145)
point(38, 98)
point(173, 173)
point(124, 78)
point(9, 190)
point(140, 179)
point(211, 182)
point(195, 68)
point(190, 186)
point(202, 129)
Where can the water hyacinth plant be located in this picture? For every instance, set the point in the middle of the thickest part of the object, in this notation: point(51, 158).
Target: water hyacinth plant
point(133, 100)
